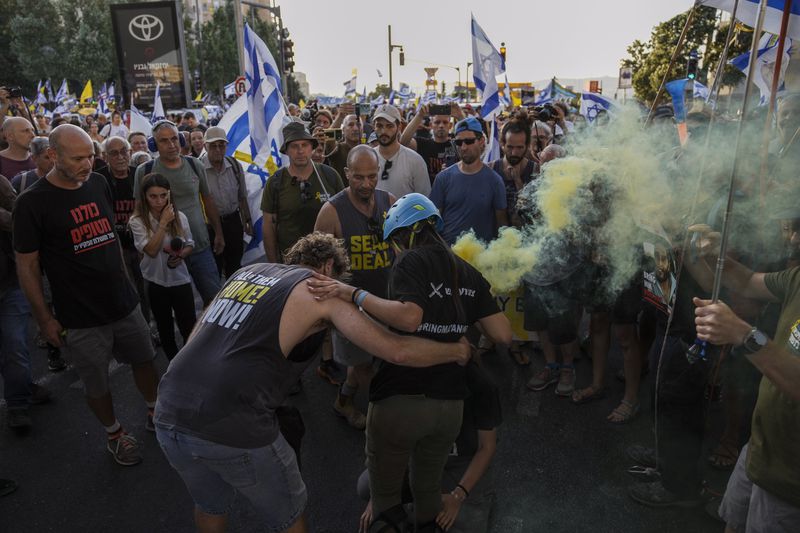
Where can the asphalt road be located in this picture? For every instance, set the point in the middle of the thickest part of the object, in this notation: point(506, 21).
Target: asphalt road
point(559, 467)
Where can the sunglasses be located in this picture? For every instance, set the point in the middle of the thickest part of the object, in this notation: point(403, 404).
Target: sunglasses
point(116, 153)
point(304, 185)
point(386, 167)
point(468, 142)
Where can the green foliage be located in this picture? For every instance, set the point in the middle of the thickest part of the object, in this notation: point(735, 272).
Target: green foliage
point(650, 60)
point(382, 89)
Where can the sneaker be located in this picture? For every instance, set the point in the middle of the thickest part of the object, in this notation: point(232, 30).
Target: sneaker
point(546, 377)
point(348, 411)
point(55, 363)
point(566, 381)
point(125, 449)
point(642, 455)
point(653, 494)
point(39, 394)
point(18, 419)
point(149, 425)
point(332, 372)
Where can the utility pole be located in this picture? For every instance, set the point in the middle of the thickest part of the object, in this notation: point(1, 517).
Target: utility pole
point(239, 23)
point(391, 48)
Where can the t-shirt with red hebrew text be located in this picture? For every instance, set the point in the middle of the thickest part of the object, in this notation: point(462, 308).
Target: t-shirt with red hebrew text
point(73, 231)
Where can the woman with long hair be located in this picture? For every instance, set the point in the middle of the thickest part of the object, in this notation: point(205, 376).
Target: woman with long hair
point(415, 413)
point(161, 234)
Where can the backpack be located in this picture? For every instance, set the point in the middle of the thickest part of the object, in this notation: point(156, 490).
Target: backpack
point(276, 184)
point(148, 167)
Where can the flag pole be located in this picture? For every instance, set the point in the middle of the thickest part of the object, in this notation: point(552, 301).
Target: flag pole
point(672, 60)
point(742, 117)
point(762, 175)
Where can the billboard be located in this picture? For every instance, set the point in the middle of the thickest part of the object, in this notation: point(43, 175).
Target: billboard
point(625, 78)
point(150, 50)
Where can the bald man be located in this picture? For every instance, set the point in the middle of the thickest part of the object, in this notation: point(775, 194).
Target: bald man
point(64, 224)
point(356, 215)
point(17, 157)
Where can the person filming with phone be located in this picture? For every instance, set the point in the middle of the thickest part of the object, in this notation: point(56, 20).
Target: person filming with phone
point(439, 151)
point(161, 233)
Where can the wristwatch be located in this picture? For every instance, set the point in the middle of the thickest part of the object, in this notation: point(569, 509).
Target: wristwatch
point(755, 340)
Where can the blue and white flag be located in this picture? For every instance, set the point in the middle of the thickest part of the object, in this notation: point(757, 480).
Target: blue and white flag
point(765, 66)
point(506, 99)
point(103, 92)
point(49, 88)
point(592, 104)
point(363, 97)
point(428, 97)
point(350, 86)
point(747, 12)
point(378, 100)
point(554, 92)
point(487, 64)
point(230, 90)
point(265, 107)
point(158, 107)
point(101, 105)
point(41, 97)
point(391, 97)
point(404, 93)
point(257, 172)
point(700, 91)
point(111, 91)
point(139, 122)
point(492, 152)
point(63, 92)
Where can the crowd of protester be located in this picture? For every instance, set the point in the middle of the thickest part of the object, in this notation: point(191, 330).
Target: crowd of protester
point(108, 234)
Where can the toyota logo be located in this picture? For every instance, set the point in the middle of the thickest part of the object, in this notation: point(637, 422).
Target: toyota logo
point(146, 28)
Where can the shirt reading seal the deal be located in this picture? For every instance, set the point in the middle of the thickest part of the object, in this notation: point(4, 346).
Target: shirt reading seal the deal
point(773, 458)
point(226, 383)
point(423, 276)
point(73, 231)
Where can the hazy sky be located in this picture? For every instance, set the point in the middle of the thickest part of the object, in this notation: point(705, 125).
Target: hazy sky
point(565, 38)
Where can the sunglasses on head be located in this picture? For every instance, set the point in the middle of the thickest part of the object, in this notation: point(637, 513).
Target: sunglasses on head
point(304, 185)
point(386, 167)
point(468, 142)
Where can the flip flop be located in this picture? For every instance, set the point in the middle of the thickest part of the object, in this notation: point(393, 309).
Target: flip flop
point(582, 396)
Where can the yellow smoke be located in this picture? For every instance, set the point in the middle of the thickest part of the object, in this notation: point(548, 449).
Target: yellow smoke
point(502, 261)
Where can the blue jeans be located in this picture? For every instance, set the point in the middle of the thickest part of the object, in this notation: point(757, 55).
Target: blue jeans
point(15, 361)
point(267, 477)
point(203, 268)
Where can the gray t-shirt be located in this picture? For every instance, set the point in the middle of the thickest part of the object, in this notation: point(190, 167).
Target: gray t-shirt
point(226, 383)
point(407, 173)
point(186, 186)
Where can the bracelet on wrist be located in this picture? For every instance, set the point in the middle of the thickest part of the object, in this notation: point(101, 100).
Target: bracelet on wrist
point(359, 300)
point(353, 295)
point(466, 492)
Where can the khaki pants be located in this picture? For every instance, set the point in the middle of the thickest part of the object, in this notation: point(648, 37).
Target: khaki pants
point(410, 427)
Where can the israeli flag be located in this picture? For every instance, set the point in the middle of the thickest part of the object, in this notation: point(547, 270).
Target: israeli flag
point(63, 92)
point(230, 90)
point(765, 66)
point(492, 152)
point(41, 98)
point(111, 91)
point(700, 91)
point(404, 93)
point(158, 107)
point(429, 97)
point(391, 97)
point(506, 99)
point(103, 93)
point(265, 107)
point(139, 122)
point(350, 86)
point(487, 65)
point(101, 105)
point(747, 13)
point(49, 88)
point(363, 97)
point(592, 104)
point(378, 100)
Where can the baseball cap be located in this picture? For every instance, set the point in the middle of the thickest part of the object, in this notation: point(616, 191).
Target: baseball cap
point(215, 133)
point(469, 124)
point(387, 112)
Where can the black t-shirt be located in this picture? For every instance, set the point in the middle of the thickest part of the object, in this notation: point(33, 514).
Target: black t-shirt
point(424, 276)
point(482, 412)
point(73, 232)
point(436, 155)
point(124, 201)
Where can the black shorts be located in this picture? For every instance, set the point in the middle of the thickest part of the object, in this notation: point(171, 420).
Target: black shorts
point(552, 308)
point(623, 306)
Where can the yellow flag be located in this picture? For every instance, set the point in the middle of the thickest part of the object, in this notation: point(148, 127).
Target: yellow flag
point(87, 93)
point(199, 97)
point(516, 99)
point(302, 103)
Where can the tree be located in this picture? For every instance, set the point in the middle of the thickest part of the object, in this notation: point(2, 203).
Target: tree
point(381, 89)
point(650, 60)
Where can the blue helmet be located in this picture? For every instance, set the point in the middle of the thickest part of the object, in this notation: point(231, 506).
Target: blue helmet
point(408, 210)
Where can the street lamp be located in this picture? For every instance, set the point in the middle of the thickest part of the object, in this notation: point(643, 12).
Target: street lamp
point(402, 56)
point(466, 79)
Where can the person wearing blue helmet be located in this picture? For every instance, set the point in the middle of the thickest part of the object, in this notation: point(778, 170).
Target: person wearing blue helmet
point(415, 415)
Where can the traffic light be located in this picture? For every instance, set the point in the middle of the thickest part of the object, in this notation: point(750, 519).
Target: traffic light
point(691, 66)
point(288, 55)
point(402, 57)
point(503, 51)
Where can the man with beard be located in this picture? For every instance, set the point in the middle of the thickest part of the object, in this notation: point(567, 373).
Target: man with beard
point(338, 151)
point(514, 167)
point(470, 195)
point(402, 170)
point(356, 215)
point(439, 151)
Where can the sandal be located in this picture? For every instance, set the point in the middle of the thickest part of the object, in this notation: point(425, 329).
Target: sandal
point(624, 412)
point(724, 456)
point(588, 394)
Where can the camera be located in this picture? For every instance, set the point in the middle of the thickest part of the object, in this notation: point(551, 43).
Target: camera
point(436, 109)
point(176, 244)
point(545, 112)
point(362, 110)
point(14, 92)
point(334, 134)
